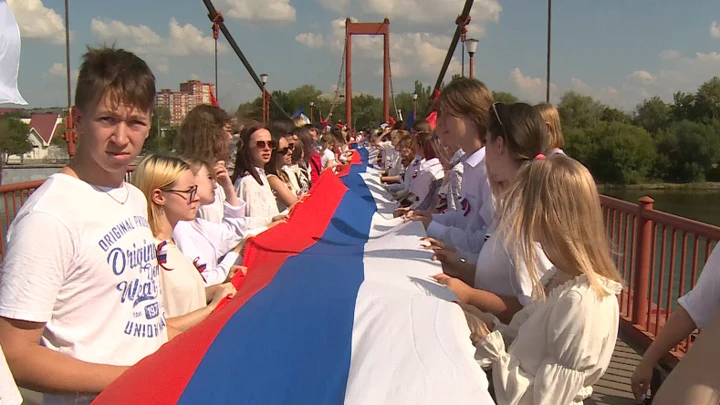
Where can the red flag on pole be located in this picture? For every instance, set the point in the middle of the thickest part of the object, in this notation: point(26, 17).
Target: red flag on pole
point(213, 100)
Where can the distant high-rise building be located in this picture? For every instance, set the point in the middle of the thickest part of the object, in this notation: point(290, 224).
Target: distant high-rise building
point(192, 93)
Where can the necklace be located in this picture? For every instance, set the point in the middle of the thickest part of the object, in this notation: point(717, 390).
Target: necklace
point(110, 191)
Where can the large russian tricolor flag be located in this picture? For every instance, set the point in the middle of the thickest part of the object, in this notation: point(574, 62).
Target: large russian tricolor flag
point(337, 307)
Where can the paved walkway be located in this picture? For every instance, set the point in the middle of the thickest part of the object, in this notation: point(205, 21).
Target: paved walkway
point(612, 389)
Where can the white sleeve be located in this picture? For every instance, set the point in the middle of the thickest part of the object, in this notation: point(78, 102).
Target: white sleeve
point(702, 301)
point(421, 185)
point(468, 240)
point(35, 267)
point(232, 229)
point(220, 273)
point(559, 377)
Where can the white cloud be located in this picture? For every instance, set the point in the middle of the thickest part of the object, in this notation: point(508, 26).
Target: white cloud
point(431, 11)
point(414, 53)
point(269, 10)
point(642, 76)
point(532, 89)
point(715, 29)
point(670, 54)
point(182, 40)
point(37, 21)
point(580, 85)
point(57, 69)
point(311, 40)
point(335, 5)
point(163, 68)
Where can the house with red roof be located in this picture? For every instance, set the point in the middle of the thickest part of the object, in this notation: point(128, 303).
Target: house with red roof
point(42, 128)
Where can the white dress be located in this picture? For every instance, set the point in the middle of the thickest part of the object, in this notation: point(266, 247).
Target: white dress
point(558, 348)
point(261, 205)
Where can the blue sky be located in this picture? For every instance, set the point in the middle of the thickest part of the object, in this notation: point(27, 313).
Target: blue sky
point(619, 51)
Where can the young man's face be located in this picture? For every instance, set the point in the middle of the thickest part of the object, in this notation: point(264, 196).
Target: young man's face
point(112, 136)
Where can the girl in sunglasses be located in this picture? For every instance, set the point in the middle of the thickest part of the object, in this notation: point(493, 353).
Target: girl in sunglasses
point(171, 192)
point(283, 189)
point(255, 149)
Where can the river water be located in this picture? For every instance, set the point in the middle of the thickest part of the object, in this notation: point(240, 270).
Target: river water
point(699, 205)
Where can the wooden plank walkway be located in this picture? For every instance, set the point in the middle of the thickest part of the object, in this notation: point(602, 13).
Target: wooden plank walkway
point(614, 386)
point(612, 389)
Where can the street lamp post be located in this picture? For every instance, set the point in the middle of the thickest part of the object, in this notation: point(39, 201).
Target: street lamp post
point(471, 48)
point(312, 104)
point(415, 96)
point(265, 112)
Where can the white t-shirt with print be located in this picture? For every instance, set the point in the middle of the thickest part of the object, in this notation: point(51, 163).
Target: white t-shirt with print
point(82, 260)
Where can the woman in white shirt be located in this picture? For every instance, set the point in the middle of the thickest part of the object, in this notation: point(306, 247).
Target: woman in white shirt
point(430, 169)
point(559, 345)
point(278, 179)
point(551, 116)
point(251, 183)
point(171, 192)
point(206, 133)
point(327, 155)
point(501, 286)
point(213, 248)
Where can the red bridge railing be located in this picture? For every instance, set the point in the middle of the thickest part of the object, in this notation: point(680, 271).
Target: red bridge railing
point(660, 256)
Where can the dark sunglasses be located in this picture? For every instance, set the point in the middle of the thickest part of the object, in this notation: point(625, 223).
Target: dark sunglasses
point(497, 116)
point(265, 144)
point(284, 151)
point(191, 193)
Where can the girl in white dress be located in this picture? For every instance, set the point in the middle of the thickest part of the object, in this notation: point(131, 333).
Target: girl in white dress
point(250, 179)
point(560, 344)
point(171, 192)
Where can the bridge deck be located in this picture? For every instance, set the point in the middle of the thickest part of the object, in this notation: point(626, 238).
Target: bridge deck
point(612, 389)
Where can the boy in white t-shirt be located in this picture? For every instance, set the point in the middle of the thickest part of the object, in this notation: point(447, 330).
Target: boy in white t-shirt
point(80, 300)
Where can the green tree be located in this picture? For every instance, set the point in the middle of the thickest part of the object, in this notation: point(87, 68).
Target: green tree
point(687, 151)
point(652, 114)
point(579, 111)
point(14, 137)
point(610, 114)
point(158, 140)
point(624, 153)
point(683, 107)
point(707, 101)
point(504, 97)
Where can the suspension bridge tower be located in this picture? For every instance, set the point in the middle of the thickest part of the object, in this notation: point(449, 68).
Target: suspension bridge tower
point(352, 28)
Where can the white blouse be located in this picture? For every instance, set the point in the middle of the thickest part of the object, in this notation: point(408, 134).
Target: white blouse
point(183, 288)
point(205, 243)
point(261, 205)
point(430, 170)
point(495, 270)
point(558, 348)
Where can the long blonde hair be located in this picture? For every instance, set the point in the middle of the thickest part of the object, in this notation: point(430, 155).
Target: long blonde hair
point(551, 116)
point(554, 203)
point(157, 172)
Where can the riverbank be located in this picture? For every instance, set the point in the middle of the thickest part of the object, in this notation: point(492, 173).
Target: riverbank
point(705, 186)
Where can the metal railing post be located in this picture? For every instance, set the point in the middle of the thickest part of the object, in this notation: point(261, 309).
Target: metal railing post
point(642, 263)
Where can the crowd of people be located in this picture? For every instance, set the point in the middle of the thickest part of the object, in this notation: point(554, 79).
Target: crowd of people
point(99, 273)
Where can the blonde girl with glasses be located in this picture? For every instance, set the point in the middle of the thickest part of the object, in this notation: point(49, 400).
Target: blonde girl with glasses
point(560, 344)
point(213, 248)
point(171, 192)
